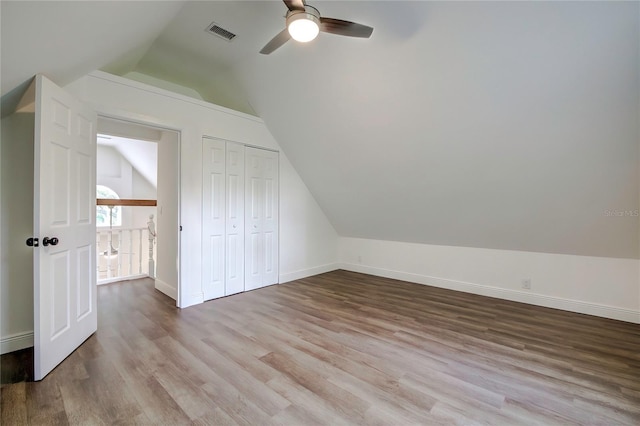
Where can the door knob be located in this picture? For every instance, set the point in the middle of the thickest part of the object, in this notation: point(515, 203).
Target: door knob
point(32, 242)
point(46, 241)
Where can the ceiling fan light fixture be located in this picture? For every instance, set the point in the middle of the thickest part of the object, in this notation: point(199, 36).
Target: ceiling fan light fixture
point(304, 26)
point(303, 23)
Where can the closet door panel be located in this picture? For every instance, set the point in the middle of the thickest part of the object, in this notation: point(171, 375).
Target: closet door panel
point(235, 219)
point(213, 217)
point(253, 223)
point(270, 223)
point(261, 251)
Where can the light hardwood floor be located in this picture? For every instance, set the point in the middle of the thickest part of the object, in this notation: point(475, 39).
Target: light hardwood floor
point(338, 348)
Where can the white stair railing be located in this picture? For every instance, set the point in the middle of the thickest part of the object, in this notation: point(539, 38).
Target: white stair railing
point(120, 253)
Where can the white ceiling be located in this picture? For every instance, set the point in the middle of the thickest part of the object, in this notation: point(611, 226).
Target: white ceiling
point(487, 124)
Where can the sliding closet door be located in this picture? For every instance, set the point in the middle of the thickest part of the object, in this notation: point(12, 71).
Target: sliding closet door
point(235, 219)
point(261, 218)
point(213, 218)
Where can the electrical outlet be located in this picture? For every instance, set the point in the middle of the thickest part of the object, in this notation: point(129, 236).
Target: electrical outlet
point(526, 283)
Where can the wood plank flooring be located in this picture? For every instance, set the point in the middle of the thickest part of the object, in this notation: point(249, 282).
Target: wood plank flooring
point(16, 366)
point(338, 348)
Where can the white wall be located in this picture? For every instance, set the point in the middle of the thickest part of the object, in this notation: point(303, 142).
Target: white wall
point(308, 243)
point(142, 190)
point(304, 225)
point(109, 170)
point(602, 286)
point(167, 218)
point(163, 84)
point(16, 205)
point(115, 172)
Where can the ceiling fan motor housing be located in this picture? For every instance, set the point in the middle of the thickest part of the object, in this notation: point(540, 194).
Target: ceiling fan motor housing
point(309, 12)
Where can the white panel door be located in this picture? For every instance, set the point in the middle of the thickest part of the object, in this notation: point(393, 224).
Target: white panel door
point(213, 218)
point(261, 218)
point(235, 219)
point(65, 310)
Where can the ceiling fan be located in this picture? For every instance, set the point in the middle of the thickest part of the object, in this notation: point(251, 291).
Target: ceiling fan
point(304, 23)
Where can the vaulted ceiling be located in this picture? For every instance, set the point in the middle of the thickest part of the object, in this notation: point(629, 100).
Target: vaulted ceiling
point(509, 125)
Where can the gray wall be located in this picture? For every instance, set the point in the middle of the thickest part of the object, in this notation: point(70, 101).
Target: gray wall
point(16, 204)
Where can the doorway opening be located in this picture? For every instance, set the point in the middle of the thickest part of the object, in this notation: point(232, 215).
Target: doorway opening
point(126, 173)
point(137, 213)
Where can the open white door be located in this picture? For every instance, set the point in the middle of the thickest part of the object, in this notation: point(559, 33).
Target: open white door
point(64, 222)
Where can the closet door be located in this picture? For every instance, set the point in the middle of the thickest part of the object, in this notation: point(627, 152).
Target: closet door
point(261, 218)
point(235, 219)
point(213, 218)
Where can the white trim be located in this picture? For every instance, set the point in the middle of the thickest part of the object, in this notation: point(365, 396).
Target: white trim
point(118, 279)
point(15, 342)
point(179, 284)
point(588, 308)
point(304, 273)
point(165, 288)
point(192, 299)
point(169, 94)
point(242, 143)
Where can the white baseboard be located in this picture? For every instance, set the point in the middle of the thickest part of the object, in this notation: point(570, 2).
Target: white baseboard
point(292, 276)
point(501, 293)
point(165, 288)
point(118, 279)
point(191, 299)
point(15, 342)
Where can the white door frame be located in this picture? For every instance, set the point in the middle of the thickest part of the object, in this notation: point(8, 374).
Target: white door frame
point(132, 119)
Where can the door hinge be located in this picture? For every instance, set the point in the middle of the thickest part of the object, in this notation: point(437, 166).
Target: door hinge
point(33, 242)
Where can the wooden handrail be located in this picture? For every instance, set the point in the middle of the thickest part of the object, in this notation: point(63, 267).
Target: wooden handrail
point(125, 202)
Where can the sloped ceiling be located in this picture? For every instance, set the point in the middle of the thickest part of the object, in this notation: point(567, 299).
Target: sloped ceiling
point(503, 125)
point(66, 40)
point(142, 155)
point(509, 125)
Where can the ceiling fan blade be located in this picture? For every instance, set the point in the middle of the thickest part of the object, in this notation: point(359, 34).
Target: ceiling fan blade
point(344, 28)
point(295, 4)
point(280, 39)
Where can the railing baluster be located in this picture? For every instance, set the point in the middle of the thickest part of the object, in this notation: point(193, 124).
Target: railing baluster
point(151, 227)
point(118, 258)
point(108, 252)
point(98, 255)
point(140, 231)
point(130, 272)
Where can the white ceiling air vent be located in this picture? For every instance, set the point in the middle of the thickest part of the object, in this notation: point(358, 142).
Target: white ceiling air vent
point(217, 30)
